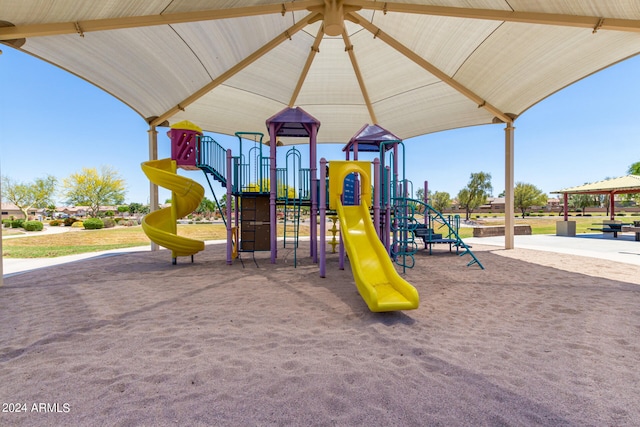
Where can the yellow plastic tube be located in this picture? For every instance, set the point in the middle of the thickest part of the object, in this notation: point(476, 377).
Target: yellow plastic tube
point(160, 226)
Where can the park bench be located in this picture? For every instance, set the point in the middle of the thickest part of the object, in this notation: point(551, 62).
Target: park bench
point(429, 237)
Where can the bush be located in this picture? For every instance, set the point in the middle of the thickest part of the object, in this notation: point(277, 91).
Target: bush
point(55, 223)
point(93, 224)
point(17, 223)
point(33, 225)
point(109, 223)
point(69, 221)
point(77, 224)
point(128, 223)
point(6, 223)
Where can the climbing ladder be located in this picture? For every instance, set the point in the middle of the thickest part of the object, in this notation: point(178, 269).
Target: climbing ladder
point(294, 179)
point(434, 216)
point(292, 209)
point(403, 225)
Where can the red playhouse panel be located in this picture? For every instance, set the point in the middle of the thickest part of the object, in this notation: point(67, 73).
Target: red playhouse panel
point(183, 145)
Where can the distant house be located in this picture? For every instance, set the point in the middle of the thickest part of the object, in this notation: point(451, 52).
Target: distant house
point(496, 204)
point(554, 204)
point(83, 211)
point(71, 211)
point(9, 210)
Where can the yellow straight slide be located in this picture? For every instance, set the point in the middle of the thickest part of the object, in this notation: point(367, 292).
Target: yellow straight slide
point(379, 284)
point(160, 226)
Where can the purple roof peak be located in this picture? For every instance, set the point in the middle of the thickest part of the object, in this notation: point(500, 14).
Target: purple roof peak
point(293, 122)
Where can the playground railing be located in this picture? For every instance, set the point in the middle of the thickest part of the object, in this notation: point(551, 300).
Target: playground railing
point(404, 224)
point(436, 216)
point(211, 157)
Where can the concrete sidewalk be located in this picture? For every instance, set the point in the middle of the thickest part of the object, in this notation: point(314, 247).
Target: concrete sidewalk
point(13, 266)
point(622, 249)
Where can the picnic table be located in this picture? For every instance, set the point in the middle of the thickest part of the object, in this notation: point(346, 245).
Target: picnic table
point(632, 229)
point(609, 227)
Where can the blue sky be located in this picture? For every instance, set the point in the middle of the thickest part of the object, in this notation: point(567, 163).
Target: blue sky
point(53, 123)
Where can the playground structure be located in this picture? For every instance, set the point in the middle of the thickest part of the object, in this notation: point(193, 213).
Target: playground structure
point(186, 194)
point(380, 286)
point(376, 229)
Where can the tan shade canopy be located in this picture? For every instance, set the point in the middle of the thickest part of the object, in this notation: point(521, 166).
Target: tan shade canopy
point(413, 67)
point(621, 185)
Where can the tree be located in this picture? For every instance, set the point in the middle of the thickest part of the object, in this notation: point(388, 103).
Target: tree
point(223, 202)
point(51, 210)
point(38, 194)
point(206, 207)
point(420, 195)
point(441, 200)
point(604, 200)
point(94, 189)
point(634, 169)
point(138, 208)
point(475, 193)
point(527, 195)
point(582, 201)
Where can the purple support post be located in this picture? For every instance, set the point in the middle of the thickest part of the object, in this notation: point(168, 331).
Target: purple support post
point(395, 163)
point(323, 208)
point(426, 201)
point(376, 196)
point(229, 226)
point(356, 183)
point(341, 264)
point(387, 222)
point(426, 192)
point(314, 193)
point(397, 191)
point(272, 195)
point(566, 207)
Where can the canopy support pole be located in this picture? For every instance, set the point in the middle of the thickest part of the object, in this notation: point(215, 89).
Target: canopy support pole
point(153, 188)
point(566, 206)
point(509, 222)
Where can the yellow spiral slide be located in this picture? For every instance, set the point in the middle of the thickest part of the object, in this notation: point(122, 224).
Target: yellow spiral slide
point(186, 194)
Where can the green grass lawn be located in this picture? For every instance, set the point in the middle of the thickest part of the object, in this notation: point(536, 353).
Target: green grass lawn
point(81, 241)
point(542, 225)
